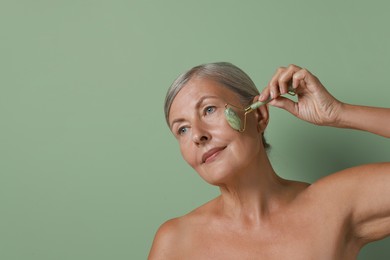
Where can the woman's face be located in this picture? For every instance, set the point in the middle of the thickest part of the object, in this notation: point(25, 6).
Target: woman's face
point(207, 142)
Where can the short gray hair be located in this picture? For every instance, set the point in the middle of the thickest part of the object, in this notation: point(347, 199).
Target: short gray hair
point(225, 73)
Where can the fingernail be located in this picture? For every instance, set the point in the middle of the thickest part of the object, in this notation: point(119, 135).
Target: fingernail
point(272, 94)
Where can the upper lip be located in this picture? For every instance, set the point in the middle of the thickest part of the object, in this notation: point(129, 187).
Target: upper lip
point(211, 152)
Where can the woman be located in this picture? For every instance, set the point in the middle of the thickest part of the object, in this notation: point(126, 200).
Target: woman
point(259, 215)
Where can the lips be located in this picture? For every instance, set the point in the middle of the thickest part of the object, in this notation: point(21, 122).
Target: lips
point(211, 154)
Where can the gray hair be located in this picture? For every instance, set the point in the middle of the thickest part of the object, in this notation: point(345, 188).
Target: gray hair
point(225, 73)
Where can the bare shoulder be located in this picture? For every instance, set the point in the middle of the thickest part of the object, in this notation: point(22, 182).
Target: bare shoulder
point(166, 236)
point(172, 237)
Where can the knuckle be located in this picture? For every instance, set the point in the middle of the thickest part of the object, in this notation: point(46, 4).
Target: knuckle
point(281, 82)
point(272, 83)
point(304, 70)
point(293, 66)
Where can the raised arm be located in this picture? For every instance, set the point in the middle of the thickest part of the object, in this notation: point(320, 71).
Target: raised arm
point(360, 198)
point(363, 192)
point(371, 119)
point(316, 105)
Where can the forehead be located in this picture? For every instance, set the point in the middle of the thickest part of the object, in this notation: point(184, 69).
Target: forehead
point(197, 88)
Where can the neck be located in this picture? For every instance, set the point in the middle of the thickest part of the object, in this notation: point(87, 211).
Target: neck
point(254, 193)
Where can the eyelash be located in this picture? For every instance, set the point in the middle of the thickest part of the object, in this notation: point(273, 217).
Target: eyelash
point(179, 131)
point(205, 111)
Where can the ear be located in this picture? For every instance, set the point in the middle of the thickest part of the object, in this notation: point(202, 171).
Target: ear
point(262, 116)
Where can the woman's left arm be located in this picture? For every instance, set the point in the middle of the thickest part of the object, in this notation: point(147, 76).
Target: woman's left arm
point(369, 197)
point(360, 196)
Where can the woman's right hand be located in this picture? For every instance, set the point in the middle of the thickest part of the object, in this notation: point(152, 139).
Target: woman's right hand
point(315, 104)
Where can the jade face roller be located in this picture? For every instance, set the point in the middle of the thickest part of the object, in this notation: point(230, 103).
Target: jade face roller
point(235, 121)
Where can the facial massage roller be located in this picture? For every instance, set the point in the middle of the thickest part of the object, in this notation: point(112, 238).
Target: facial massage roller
point(235, 121)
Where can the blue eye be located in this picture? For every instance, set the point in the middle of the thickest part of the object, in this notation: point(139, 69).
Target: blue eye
point(209, 110)
point(182, 130)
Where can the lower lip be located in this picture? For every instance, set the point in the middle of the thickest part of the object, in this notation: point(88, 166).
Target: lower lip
point(212, 157)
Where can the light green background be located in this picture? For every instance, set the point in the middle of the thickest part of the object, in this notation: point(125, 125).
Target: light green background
point(88, 168)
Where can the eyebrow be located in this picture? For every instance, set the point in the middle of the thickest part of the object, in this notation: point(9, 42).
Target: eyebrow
point(197, 105)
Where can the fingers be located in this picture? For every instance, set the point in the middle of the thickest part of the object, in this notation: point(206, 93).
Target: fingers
point(286, 104)
point(284, 78)
point(304, 79)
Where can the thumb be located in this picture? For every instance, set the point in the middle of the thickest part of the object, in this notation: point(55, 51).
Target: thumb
point(285, 103)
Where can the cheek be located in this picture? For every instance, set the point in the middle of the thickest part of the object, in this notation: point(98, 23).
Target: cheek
point(247, 145)
point(188, 154)
point(222, 130)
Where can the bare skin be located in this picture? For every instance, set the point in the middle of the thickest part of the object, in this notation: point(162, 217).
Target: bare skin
point(258, 214)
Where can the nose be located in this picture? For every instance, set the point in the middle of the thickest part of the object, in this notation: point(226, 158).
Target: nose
point(200, 135)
